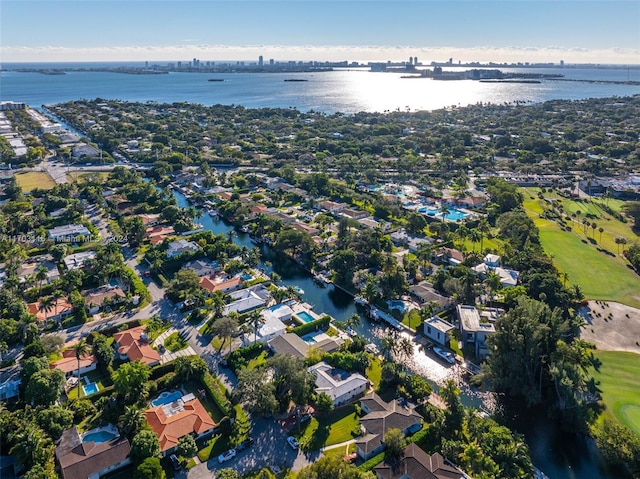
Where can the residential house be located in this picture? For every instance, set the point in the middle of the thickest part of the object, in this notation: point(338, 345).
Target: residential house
point(380, 417)
point(172, 421)
point(83, 150)
point(340, 385)
point(508, 277)
point(133, 344)
point(149, 219)
point(10, 383)
point(473, 330)
point(424, 293)
point(181, 246)
point(90, 460)
point(269, 329)
point(331, 206)
point(60, 309)
point(68, 232)
point(305, 228)
point(28, 269)
point(95, 298)
point(290, 343)
point(222, 283)
point(77, 260)
point(355, 214)
point(203, 267)
point(414, 463)
point(69, 363)
point(248, 299)
point(438, 329)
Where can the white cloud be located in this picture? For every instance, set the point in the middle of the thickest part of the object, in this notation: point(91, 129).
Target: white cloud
point(551, 54)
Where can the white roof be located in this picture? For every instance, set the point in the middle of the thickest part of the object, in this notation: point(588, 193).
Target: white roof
point(439, 324)
point(335, 382)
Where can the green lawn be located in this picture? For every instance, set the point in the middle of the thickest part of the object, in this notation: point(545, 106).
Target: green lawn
point(216, 446)
point(600, 276)
point(34, 179)
point(175, 342)
point(619, 378)
point(327, 429)
point(374, 373)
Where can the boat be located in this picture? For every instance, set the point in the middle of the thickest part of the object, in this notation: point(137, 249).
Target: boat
point(298, 289)
point(351, 332)
point(446, 355)
point(295, 79)
point(244, 229)
point(216, 79)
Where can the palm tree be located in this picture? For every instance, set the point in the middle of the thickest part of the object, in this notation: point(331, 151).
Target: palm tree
point(353, 321)
point(56, 295)
point(41, 275)
point(46, 305)
point(405, 347)
point(131, 421)
point(444, 211)
point(594, 225)
point(257, 320)
point(483, 228)
point(600, 230)
point(81, 349)
point(565, 277)
point(389, 345)
point(475, 236)
point(31, 447)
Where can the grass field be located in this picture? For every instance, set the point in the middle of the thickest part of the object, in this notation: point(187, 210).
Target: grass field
point(619, 378)
point(327, 429)
point(81, 176)
point(601, 276)
point(35, 179)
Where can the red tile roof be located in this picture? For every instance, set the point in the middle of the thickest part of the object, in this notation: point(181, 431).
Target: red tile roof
point(63, 306)
point(131, 343)
point(69, 363)
point(193, 419)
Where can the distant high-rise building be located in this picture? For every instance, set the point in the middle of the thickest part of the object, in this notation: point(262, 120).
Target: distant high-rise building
point(260, 60)
point(450, 61)
point(271, 62)
point(146, 64)
point(410, 60)
point(561, 63)
point(415, 60)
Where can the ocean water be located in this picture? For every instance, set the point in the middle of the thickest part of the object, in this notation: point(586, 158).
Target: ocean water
point(346, 91)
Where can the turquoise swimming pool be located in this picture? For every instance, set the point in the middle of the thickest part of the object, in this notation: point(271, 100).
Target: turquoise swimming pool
point(99, 436)
point(166, 398)
point(305, 317)
point(90, 388)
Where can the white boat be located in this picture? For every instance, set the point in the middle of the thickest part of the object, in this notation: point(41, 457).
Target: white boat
point(299, 289)
point(446, 355)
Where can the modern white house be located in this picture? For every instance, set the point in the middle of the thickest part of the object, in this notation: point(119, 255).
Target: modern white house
point(340, 385)
point(67, 232)
point(77, 260)
point(473, 330)
point(181, 246)
point(438, 329)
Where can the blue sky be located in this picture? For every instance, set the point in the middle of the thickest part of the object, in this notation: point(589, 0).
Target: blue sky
point(508, 30)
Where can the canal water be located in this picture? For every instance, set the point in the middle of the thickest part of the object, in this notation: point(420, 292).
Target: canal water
point(558, 454)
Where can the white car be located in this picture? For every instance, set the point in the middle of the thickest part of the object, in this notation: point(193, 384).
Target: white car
point(226, 456)
point(293, 442)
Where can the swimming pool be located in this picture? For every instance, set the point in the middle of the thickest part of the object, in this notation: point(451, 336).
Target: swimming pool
point(246, 277)
point(452, 215)
point(166, 398)
point(90, 388)
point(99, 436)
point(305, 317)
point(397, 304)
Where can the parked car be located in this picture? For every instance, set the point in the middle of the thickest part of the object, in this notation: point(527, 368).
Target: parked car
point(226, 456)
point(244, 444)
point(175, 462)
point(293, 442)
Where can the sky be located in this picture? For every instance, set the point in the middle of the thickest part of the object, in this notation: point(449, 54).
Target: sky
point(576, 31)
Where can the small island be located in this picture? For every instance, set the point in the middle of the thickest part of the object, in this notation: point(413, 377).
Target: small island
point(216, 79)
point(295, 79)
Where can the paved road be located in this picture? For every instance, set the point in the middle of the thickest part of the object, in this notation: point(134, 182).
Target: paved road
point(269, 449)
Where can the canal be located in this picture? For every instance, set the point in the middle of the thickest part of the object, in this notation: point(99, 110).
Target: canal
point(558, 454)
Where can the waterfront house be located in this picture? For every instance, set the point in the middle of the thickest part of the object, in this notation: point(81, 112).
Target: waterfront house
point(68, 232)
point(340, 385)
point(203, 267)
point(380, 417)
point(424, 293)
point(248, 299)
point(172, 421)
point(222, 283)
point(290, 343)
point(474, 330)
point(90, 460)
point(414, 463)
point(438, 329)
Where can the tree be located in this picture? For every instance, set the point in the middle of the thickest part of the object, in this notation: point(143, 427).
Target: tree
point(130, 380)
point(145, 444)
point(187, 367)
point(31, 447)
point(185, 283)
point(44, 387)
point(256, 319)
point(333, 467)
point(291, 379)
point(80, 349)
point(41, 274)
point(324, 402)
point(149, 468)
point(454, 415)
point(46, 305)
point(55, 420)
point(225, 328)
point(132, 421)
point(256, 391)
point(187, 446)
point(227, 474)
point(394, 442)
point(102, 351)
point(343, 262)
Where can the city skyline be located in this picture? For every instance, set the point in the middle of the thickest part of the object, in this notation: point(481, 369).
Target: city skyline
point(164, 30)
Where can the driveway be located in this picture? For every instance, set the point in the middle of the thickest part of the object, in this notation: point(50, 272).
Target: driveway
point(168, 356)
point(269, 449)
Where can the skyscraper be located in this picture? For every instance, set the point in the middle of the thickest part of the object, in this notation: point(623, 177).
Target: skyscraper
point(260, 60)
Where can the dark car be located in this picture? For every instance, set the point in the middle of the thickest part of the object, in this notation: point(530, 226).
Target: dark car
point(175, 462)
point(245, 444)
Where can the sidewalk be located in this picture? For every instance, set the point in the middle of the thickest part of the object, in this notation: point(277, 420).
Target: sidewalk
point(167, 355)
